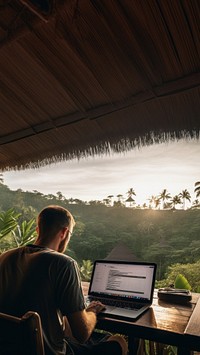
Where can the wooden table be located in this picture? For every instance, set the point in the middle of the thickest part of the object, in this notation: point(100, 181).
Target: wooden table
point(166, 323)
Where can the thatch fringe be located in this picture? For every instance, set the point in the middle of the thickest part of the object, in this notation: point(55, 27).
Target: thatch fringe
point(99, 148)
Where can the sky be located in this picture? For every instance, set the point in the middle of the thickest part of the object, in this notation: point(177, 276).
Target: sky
point(173, 166)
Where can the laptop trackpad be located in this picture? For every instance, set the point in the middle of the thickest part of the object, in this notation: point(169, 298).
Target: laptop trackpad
point(118, 311)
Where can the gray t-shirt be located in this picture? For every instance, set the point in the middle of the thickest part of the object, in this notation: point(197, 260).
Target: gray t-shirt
point(34, 278)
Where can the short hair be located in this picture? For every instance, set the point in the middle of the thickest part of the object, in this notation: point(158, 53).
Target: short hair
point(52, 219)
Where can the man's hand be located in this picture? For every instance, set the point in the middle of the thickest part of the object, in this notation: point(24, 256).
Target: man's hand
point(96, 307)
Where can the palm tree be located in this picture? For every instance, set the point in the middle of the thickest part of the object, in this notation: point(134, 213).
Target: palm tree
point(176, 200)
point(131, 192)
point(153, 201)
point(164, 196)
point(197, 188)
point(185, 195)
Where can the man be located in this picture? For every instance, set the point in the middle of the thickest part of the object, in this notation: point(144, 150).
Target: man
point(41, 278)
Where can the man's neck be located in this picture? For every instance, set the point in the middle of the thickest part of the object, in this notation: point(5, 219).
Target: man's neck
point(52, 245)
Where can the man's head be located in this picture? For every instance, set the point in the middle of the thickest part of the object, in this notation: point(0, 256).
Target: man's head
point(55, 223)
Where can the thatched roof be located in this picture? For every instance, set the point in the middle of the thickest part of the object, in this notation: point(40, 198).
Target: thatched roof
point(121, 252)
point(81, 77)
point(129, 199)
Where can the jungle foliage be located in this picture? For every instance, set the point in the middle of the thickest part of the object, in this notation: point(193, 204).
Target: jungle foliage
point(166, 237)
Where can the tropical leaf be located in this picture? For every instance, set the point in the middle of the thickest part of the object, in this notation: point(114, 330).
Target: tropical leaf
point(26, 233)
point(8, 222)
point(182, 282)
point(86, 270)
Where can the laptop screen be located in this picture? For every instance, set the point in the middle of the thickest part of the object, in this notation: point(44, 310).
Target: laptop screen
point(123, 280)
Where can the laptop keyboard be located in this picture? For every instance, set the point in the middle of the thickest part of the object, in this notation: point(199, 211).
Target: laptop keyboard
point(121, 304)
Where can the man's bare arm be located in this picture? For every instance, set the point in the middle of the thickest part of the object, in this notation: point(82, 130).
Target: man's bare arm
point(82, 323)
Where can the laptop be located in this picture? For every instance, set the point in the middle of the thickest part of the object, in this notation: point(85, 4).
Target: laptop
point(125, 288)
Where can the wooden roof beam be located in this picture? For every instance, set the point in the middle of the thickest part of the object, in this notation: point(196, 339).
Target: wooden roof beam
point(171, 88)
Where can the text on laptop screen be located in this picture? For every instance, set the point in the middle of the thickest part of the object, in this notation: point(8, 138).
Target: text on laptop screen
point(123, 280)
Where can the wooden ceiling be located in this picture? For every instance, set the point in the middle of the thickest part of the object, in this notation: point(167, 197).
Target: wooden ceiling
point(83, 77)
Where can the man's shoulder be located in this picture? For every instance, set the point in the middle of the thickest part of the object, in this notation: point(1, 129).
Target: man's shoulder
point(66, 257)
point(63, 258)
point(59, 257)
point(12, 251)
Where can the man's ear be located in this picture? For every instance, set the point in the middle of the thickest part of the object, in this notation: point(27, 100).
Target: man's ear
point(63, 232)
point(37, 230)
